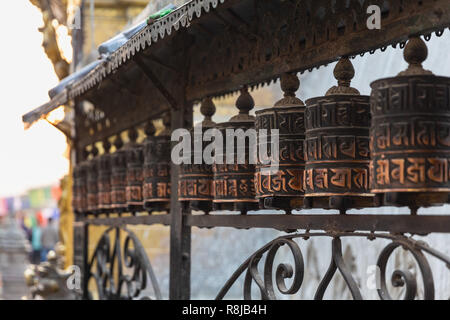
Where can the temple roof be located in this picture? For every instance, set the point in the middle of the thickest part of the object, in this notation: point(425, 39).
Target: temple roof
point(216, 46)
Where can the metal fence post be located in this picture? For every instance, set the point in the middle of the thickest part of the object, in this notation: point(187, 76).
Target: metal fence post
point(180, 233)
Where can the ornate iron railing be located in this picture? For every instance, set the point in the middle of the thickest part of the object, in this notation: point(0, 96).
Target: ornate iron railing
point(120, 268)
point(295, 272)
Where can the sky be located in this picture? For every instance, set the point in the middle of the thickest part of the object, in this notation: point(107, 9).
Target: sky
point(35, 157)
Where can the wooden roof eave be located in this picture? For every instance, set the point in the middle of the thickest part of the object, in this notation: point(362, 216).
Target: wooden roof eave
point(310, 45)
point(143, 39)
point(42, 111)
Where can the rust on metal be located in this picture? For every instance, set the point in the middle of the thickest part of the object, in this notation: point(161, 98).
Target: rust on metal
point(118, 177)
point(410, 134)
point(135, 175)
point(195, 185)
point(104, 179)
point(156, 188)
point(337, 146)
point(282, 189)
point(234, 186)
point(79, 197)
point(92, 182)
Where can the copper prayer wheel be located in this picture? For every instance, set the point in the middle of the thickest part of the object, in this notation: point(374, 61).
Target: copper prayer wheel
point(195, 186)
point(92, 182)
point(234, 187)
point(79, 196)
point(135, 173)
point(410, 134)
point(156, 187)
point(282, 188)
point(104, 179)
point(76, 189)
point(118, 177)
point(337, 146)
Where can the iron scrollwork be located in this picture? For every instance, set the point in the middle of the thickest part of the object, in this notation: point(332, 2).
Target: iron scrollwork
point(121, 269)
point(295, 271)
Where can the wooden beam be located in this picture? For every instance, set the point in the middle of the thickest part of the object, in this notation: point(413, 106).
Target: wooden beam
point(431, 17)
point(152, 77)
point(158, 61)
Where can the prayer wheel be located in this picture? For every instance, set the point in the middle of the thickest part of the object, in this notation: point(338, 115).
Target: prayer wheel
point(156, 187)
point(135, 172)
point(281, 186)
point(104, 179)
point(79, 197)
point(92, 183)
point(76, 189)
point(195, 186)
point(234, 170)
point(337, 146)
point(118, 177)
point(410, 134)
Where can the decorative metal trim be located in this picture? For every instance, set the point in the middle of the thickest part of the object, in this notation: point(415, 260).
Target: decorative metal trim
point(295, 272)
point(107, 270)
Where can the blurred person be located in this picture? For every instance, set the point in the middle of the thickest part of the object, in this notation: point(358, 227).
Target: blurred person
point(36, 243)
point(26, 229)
point(49, 238)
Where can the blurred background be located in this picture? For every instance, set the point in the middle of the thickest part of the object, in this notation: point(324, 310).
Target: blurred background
point(41, 45)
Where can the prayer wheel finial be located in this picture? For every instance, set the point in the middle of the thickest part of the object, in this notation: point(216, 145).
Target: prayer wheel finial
point(149, 129)
point(132, 134)
point(94, 151)
point(106, 145)
point(344, 73)
point(118, 142)
point(207, 109)
point(245, 102)
point(415, 53)
point(289, 84)
point(167, 121)
point(85, 154)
